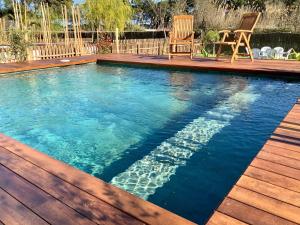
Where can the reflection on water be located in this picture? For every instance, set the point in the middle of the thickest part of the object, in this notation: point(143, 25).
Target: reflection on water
point(182, 84)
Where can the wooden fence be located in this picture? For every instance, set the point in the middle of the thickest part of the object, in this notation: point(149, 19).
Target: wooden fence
point(53, 51)
point(159, 46)
point(60, 51)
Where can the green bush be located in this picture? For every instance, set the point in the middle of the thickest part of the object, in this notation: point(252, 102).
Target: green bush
point(211, 36)
point(295, 55)
point(18, 44)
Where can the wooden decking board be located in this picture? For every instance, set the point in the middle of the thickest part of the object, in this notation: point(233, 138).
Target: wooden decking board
point(282, 152)
point(283, 145)
point(65, 192)
point(265, 203)
point(288, 125)
point(223, 219)
point(269, 190)
point(47, 207)
point(286, 139)
point(13, 212)
point(287, 132)
point(249, 214)
point(44, 64)
point(276, 168)
point(281, 160)
point(273, 178)
point(124, 201)
point(291, 120)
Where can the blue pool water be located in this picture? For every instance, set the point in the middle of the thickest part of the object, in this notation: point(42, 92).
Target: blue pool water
point(179, 139)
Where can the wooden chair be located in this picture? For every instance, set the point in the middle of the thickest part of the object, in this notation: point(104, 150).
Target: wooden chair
point(241, 36)
point(182, 34)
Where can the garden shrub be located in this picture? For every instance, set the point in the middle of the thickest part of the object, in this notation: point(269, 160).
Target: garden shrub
point(18, 44)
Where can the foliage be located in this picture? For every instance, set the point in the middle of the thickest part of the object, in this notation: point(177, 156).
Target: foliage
point(137, 15)
point(295, 55)
point(107, 15)
point(158, 14)
point(18, 44)
point(235, 4)
point(211, 36)
point(35, 4)
point(134, 27)
point(275, 16)
point(253, 4)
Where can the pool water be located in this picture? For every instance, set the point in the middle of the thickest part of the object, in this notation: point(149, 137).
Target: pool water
point(179, 139)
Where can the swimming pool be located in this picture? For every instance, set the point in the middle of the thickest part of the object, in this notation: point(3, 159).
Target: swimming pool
point(179, 139)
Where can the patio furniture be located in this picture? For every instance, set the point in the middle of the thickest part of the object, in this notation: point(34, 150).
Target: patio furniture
point(278, 53)
point(266, 52)
point(286, 55)
point(256, 53)
point(182, 36)
point(240, 37)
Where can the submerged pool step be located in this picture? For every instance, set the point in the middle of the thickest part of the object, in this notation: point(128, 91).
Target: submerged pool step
point(144, 176)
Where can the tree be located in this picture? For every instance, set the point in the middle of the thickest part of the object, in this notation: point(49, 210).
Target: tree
point(235, 4)
point(105, 14)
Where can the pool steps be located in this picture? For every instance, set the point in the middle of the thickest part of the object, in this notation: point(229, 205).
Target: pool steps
point(144, 176)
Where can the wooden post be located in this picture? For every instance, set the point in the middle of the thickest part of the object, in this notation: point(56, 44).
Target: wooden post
point(158, 48)
point(117, 40)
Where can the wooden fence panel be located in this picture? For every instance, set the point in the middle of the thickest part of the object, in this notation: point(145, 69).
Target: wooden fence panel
point(142, 46)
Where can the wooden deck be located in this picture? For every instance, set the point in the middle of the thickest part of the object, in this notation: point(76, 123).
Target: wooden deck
point(269, 190)
point(37, 189)
point(47, 63)
point(261, 67)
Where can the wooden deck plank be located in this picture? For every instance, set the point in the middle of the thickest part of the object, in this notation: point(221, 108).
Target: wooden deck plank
point(145, 211)
point(282, 152)
point(70, 195)
point(293, 113)
point(283, 145)
point(291, 118)
point(276, 168)
point(270, 205)
point(268, 192)
point(273, 178)
point(292, 126)
point(14, 213)
point(222, 219)
point(286, 139)
point(282, 160)
point(288, 133)
point(249, 214)
point(44, 64)
point(47, 207)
